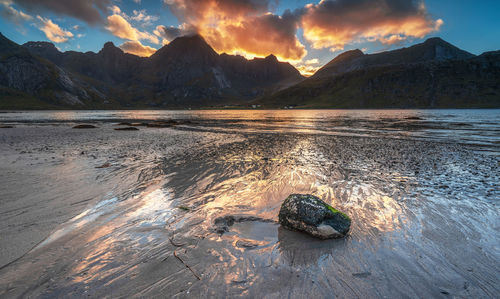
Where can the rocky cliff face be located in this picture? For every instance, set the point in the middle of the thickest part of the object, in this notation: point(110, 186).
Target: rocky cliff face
point(433, 74)
point(433, 49)
point(186, 72)
point(189, 73)
point(27, 75)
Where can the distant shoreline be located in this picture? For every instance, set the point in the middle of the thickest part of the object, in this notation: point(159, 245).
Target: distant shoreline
point(243, 109)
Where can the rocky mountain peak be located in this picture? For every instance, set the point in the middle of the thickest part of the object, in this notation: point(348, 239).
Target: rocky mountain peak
point(438, 49)
point(110, 49)
point(41, 45)
point(271, 58)
point(190, 49)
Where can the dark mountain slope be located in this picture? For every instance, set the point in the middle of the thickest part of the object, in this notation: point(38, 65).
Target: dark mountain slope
point(110, 65)
point(433, 49)
point(433, 74)
point(188, 68)
point(27, 80)
point(186, 72)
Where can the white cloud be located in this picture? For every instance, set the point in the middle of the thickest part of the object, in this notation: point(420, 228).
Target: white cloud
point(143, 17)
point(121, 28)
point(312, 61)
point(53, 31)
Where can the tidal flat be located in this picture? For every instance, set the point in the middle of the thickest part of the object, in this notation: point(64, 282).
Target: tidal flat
point(101, 212)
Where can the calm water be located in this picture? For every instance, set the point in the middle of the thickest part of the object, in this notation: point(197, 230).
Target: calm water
point(420, 185)
point(467, 126)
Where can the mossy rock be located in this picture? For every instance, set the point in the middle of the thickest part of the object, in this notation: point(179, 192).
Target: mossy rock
point(309, 214)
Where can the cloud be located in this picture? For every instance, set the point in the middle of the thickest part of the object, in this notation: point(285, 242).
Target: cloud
point(334, 23)
point(262, 35)
point(53, 31)
point(241, 27)
point(247, 26)
point(117, 11)
point(143, 17)
point(196, 11)
point(121, 28)
point(12, 14)
point(312, 61)
point(136, 48)
point(169, 33)
point(86, 10)
point(307, 70)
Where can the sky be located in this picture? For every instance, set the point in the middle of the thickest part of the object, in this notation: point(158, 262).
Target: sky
point(308, 34)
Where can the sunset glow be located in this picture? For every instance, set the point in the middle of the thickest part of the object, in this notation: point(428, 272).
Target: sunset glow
point(293, 31)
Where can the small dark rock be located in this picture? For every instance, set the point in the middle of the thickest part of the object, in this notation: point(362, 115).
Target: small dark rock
point(105, 165)
point(161, 124)
point(131, 124)
point(246, 244)
point(127, 129)
point(222, 224)
point(311, 215)
point(84, 127)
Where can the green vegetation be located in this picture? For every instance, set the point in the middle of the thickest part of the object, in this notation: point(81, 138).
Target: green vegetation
point(14, 99)
point(335, 211)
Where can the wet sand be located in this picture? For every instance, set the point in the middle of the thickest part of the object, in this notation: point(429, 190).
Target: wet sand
point(425, 210)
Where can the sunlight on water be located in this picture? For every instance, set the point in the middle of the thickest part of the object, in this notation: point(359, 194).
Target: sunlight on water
point(421, 190)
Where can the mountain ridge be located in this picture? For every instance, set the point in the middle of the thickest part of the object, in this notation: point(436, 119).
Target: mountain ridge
point(432, 74)
point(27, 80)
point(185, 72)
point(188, 73)
point(432, 49)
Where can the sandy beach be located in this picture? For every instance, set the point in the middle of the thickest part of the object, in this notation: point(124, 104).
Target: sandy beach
point(106, 213)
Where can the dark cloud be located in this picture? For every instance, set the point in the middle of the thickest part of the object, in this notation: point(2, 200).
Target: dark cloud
point(169, 33)
point(12, 14)
point(86, 10)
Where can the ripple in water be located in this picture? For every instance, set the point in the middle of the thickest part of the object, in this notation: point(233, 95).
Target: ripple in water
point(420, 186)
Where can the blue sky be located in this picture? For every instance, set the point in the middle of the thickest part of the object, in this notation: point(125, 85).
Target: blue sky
point(306, 33)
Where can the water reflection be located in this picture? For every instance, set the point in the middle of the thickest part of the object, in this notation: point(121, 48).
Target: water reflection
point(469, 126)
point(411, 202)
point(298, 249)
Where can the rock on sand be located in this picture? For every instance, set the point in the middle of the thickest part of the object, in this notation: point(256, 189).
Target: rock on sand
point(84, 127)
point(311, 215)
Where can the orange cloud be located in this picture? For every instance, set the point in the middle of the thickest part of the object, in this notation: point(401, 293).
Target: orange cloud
point(332, 24)
point(307, 70)
point(53, 31)
point(121, 28)
point(136, 48)
point(242, 27)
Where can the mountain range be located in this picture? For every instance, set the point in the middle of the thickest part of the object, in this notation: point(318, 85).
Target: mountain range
point(188, 73)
